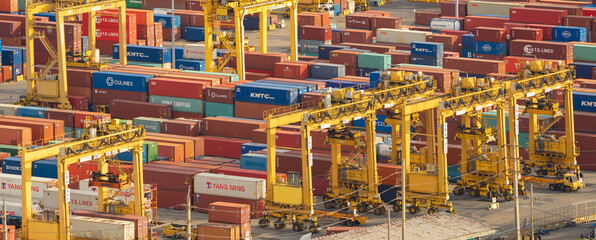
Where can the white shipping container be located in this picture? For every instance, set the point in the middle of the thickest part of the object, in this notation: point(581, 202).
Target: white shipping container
point(230, 186)
point(11, 185)
point(195, 51)
point(438, 24)
point(399, 36)
point(8, 109)
point(491, 8)
point(101, 228)
point(79, 200)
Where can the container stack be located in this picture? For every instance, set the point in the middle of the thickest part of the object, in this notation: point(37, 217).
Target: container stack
point(427, 53)
point(107, 32)
point(490, 43)
point(167, 24)
point(467, 45)
point(13, 62)
point(313, 31)
point(231, 213)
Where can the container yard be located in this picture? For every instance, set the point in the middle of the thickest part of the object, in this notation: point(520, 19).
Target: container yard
point(127, 119)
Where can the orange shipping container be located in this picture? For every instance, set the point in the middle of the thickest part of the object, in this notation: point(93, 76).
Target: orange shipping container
point(198, 142)
point(174, 152)
point(218, 231)
point(11, 232)
point(39, 131)
point(13, 135)
point(9, 6)
point(57, 130)
point(187, 145)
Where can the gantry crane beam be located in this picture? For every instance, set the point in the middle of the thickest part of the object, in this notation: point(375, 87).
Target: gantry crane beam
point(325, 117)
point(41, 89)
point(241, 8)
point(96, 149)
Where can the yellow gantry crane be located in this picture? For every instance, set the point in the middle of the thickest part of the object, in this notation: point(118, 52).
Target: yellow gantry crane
point(43, 87)
point(101, 145)
point(236, 10)
point(292, 202)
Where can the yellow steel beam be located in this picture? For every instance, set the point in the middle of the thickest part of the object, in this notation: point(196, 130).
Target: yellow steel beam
point(91, 7)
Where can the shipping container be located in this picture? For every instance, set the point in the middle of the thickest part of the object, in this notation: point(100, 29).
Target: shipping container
point(327, 70)
point(33, 112)
point(325, 50)
point(398, 36)
point(181, 127)
point(150, 124)
point(12, 185)
point(584, 52)
point(474, 66)
point(79, 200)
point(438, 24)
point(583, 70)
point(212, 231)
point(104, 96)
point(491, 8)
point(569, 34)
point(492, 48)
point(267, 94)
point(357, 36)
point(291, 70)
point(220, 94)
point(317, 33)
point(223, 147)
point(224, 212)
point(535, 15)
point(9, 109)
point(359, 21)
point(171, 87)
point(374, 61)
point(427, 49)
point(229, 186)
point(535, 34)
point(194, 34)
point(195, 51)
point(140, 222)
point(231, 127)
point(472, 22)
point(213, 109)
point(120, 81)
point(424, 17)
point(101, 229)
point(145, 53)
point(13, 135)
point(67, 116)
point(39, 131)
point(131, 109)
point(542, 49)
point(178, 104)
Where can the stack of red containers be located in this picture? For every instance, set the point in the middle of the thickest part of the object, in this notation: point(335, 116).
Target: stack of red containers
point(233, 213)
point(107, 31)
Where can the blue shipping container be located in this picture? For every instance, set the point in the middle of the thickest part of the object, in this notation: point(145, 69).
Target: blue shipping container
point(467, 52)
point(266, 94)
point(145, 53)
point(327, 70)
point(584, 101)
point(121, 81)
point(380, 127)
point(325, 49)
point(17, 70)
point(11, 165)
point(375, 78)
point(583, 70)
point(467, 40)
point(491, 48)
point(426, 60)
point(365, 72)
point(45, 168)
point(337, 9)
point(190, 64)
point(427, 49)
point(252, 147)
point(195, 34)
point(34, 112)
point(127, 156)
point(345, 84)
point(253, 161)
point(568, 34)
point(309, 86)
point(166, 20)
point(22, 49)
point(178, 52)
point(11, 57)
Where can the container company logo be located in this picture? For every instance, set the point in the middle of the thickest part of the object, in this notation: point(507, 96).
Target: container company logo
point(110, 81)
point(18, 187)
point(99, 33)
point(219, 186)
point(486, 47)
point(215, 95)
point(416, 49)
point(261, 95)
point(588, 104)
point(162, 21)
point(13, 168)
point(183, 67)
point(105, 19)
point(529, 49)
point(136, 54)
point(566, 34)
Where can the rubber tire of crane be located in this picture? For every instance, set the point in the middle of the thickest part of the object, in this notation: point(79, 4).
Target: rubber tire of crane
point(396, 207)
point(378, 211)
point(431, 210)
point(343, 206)
point(329, 205)
point(508, 197)
point(459, 191)
point(279, 225)
point(177, 236)
point(263, 223)
point(297, 227)
point(568, 189)
point(362, 208)
point(350, 223)
point(553, 187)
point(313, 228)
point(413, 209)
point(473, 193)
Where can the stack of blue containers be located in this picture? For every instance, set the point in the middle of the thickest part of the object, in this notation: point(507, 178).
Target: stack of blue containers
point(195, 34)
point(168, 22)
point(14, 57)
point(467, 45)
point(46, 168)
point(427, 53)
point(271, 93)
point(570, 34)
point(251, 22)
point(147, 54)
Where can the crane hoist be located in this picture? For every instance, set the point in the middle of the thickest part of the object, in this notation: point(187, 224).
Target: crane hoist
point(292, 202)
point(101, 144)
point(236, 10)
point(549, 156)
point(43, 87)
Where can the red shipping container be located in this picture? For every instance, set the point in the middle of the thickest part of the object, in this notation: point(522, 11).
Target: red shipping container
point(105, 47)
point(347, 58)
point(387, 174)
point(288, 139)
point(309, 19)
point(578, 21)
point(173, 152)
point(251, 110)
point(424, 17)
point(67, 116)
point(474, 66)
point(194, 5)
point(6, 73)
point(10, 28)
point(399, 57)
point(488, 34)
point(79, 91)
point(526, 33)
point(131, 109)
point(318, 33)
point(104, 96)
point(181, 127)
point(571, 9)
point(9, 6)
point(589, 12)
point(187, 115)
point(257, 207)
point(351, 71)
point(15, 135)
point(158, 34)
point(489, 56)
point(263, 61)
point(357, 36)
point(198, 141)
point(167, 34)
point(223, 147)
point(450, 54)
point(360, 21)
point(457, 33)
point(448, 8)
point(472, 22)
point(231, 127)
point(10, 231)
point(385, 22)
point(165, 86)
point(449, 41)
point(291, 70)
point(255, 76)
point(336, 36)
point(39, 130)
point(510, 25)
point(220, 94)
point(225, 212)
point(535, 15)
point(81, 118)
point(547, 30)
point(110, 19)
point(542, 49)
point(12, 41)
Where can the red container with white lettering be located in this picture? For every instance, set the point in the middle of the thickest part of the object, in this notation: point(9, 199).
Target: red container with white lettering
point(527, 33)
point(290, 70)
point(318, 33)
point(225, 212)
point(357, 36)
point(164, 86)
point(489, 34)
point(542, 49)
point(535, 15)
point(472, 22)
point(112, 34)
point(220, 94)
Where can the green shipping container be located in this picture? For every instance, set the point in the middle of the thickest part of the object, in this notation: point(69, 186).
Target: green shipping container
point(584, 53)
point(219, 109)
point(79, 132)
point(69, 132)
point(150, 124)
point(233, 77)
point(151, 148)
point(13, 150)
point(310, 54)
point(374, 61)
point(138, 4)
point(22, 5)
point(179, 104)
